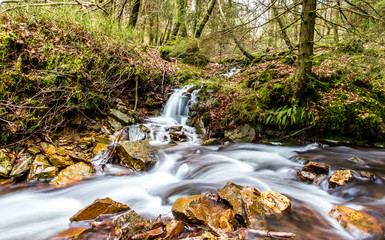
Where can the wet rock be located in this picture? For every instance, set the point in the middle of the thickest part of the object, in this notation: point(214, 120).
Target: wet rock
point(306, 176)
point(357, 160)
point(275, 203)
point(316, 167)
point(177, 128)
point(99, 148)
point(41, 169)
point(34, 150)
point(86, 142)
point(211, 141)
point(177, 136)
point(227, 221)
point(22, 166)
point(359, 224)
point(244, 133)
point(129, 221)
point(58, 157)
point(173, 230)
point(79, 156)
point(150, 234)
point(231, 193)
point(136, 155)
point(116, 126)
point(254, 211)
point(72, 174)
point(122, 117)
point(70, 233)
point(98, 207)
point(341, 177)
point(198, 209)
point(321, 178)
point(368, 175)
point(6, 164)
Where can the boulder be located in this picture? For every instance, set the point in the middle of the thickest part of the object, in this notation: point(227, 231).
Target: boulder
point(122, 117)
point(243, 133)
point(6, 164)
point(254, 211)
point(41, 169)
point(98, 207)
point(231, 193)
point(173, 230)
point(22, 166)
point(211, 141)
point(116, 126)
point(58, 157)
point(341, 177)
point(359, 224)
point(72, 174)
point(129, 221)
point(275, 203)
point(316, 167)
point(306, 176)
point(198, 209)
point(136, 155)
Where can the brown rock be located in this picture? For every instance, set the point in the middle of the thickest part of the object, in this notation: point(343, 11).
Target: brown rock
point(253, 207)
point(72, 174)
point(41, 169)
point(275, 203)
point(341, 177)
point(100, 206)
point(136, 155)
point(227, 221)
point(58, 156)
point(34, 150)
point(173, 230)
point(306, 176)
point(100, 147)
point(130, 221)
point(316, 167)
point(211, 141)
point(22, 166)
point(70, 233)
point(359, 224)
point(231, 193)
point(155, 233)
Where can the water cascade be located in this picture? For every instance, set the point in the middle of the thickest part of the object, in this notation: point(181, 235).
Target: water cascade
point(189, 168)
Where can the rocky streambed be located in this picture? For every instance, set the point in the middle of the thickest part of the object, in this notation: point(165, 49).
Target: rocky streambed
point(159, 180)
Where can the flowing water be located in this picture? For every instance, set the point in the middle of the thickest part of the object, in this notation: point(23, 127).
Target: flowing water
point(189, 168)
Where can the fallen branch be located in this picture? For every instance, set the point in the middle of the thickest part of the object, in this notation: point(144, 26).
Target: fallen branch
point(267, 233)
point(297, 132)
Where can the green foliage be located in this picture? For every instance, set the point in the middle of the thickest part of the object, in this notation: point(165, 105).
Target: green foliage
point(290, 116)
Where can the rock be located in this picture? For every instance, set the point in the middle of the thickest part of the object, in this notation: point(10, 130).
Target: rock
point(198, 209)
point(34, 150)
point(103, 139)
point(316, 167)
point(58, 157)
point(253, 207)
point(177, 136)
point(22, 166)
point(6, 164)
point(227, 221)
point(177, 128)
point(136, 155)
point(129, 221)
point(41, 169)
point(86, 142)
point(359, 224)
point(72, 174)
point(44, 145)
point(99, 148)
point(200, 127)
point(116, 126)
point(321, 178)
point(368, 175)
point(306, 176)
point(356, 160)
point(122, 117)
point(275, 203)
point(211, 141)
point(341, 177)
point(231, 193)
point(98, 207)
point(173, 230)
point(70, 233)
point(244, 133)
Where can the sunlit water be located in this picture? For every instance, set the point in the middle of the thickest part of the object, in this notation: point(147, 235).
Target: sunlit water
point(189, 168)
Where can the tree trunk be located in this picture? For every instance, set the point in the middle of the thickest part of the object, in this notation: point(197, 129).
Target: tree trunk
point(205, 18)
point(134, 14)
point(303, 71)
point(180, 16)
point(282, 28)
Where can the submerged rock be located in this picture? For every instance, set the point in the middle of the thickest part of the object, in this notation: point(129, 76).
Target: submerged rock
point(98, 207)
point(341, 177)
point(22, 166)
point(58, 157)
point(316, 167)
point(275, 203)
point(41, 169)
point(244, 133)
point(306, 176)
point(6, 164)
point(72, 174)
point(137, 155)
point(359, 224)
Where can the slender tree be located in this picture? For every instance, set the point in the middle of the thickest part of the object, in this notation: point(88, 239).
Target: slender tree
point(180, 16)
point(205, 19)
point(134, 14)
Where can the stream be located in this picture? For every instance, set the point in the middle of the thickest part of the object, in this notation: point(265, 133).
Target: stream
point(188, 168)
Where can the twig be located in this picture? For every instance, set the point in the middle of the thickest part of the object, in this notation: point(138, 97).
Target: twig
point(293, 134)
